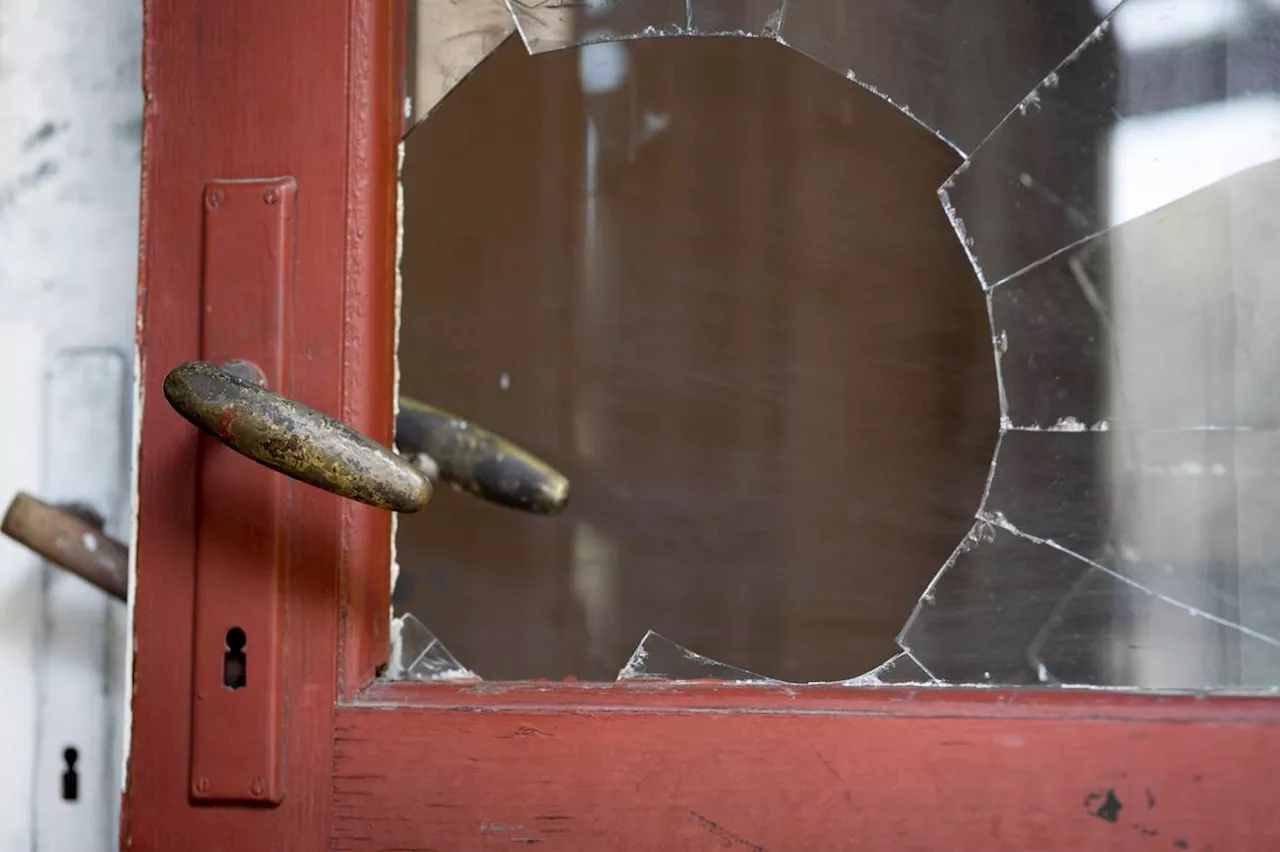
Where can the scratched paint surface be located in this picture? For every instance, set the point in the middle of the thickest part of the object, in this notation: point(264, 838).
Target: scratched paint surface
point(1113, 199)
point(815, 771)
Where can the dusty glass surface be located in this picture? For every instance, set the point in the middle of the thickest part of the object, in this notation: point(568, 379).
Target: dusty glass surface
point(699, 282)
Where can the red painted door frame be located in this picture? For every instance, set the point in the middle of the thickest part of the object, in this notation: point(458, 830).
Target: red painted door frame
point(309, 89)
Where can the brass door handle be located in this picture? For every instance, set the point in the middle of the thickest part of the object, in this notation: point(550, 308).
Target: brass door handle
point(298, 441)
point(294, 439)
point(477, 460)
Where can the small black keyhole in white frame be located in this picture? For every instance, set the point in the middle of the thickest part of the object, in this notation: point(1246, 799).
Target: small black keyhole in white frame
point(70, 777)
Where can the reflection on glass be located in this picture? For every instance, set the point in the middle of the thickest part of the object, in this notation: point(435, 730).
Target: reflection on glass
point(1130, 536)
point(1167, 322)
point(1049, 617)
point(1166, 98)
point(708, 279)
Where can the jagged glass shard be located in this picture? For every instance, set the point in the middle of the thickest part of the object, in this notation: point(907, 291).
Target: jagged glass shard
point(955, 68)
point(1168, 97)
point(735, 17)
point(1166, 322)
point(555, 24)
point(979, 619)
point(658, 658)
point(898, 669)
point(417, 654)
point(447, 39)
point(1187, 516)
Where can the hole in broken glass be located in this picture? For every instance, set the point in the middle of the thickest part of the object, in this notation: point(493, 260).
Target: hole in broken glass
point(1124, 539)
point(748, 338)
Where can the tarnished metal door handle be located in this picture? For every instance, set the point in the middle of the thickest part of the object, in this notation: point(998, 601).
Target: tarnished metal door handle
point(478, 461)
point(294, 439)
point(299, 441)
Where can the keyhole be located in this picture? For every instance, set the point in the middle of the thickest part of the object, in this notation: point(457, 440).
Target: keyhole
point(70, 778)
point(233, 662)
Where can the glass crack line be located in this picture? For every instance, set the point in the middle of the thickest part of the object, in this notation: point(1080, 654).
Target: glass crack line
point(997, 519)
point(1050, 81)
point(973, 538)
point(922, 666)
point(1071, 246)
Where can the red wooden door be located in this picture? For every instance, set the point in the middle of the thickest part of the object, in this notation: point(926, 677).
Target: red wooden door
point(282, 120)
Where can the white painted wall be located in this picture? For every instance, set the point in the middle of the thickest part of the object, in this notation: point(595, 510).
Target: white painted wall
point(70, 135)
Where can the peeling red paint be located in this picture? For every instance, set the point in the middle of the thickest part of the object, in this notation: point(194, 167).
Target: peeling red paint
point(224, 423)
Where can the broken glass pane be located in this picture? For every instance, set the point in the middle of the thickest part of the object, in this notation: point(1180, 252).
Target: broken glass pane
point(978, 621)
point(1169, 97)
point(554, 24)
point(416, 654)
point(1053, 344)
point(718, 293)
point(1166, 322)
point(658, 658)
point(731, 429)
point(918, 54)
point(1185, 516)
point(446, 39)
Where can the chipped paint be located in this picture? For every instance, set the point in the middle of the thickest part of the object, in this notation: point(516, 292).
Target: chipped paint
point(395, 355)
point(135, 508)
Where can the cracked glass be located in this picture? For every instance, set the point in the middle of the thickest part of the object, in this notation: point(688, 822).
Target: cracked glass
point(882, 343)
